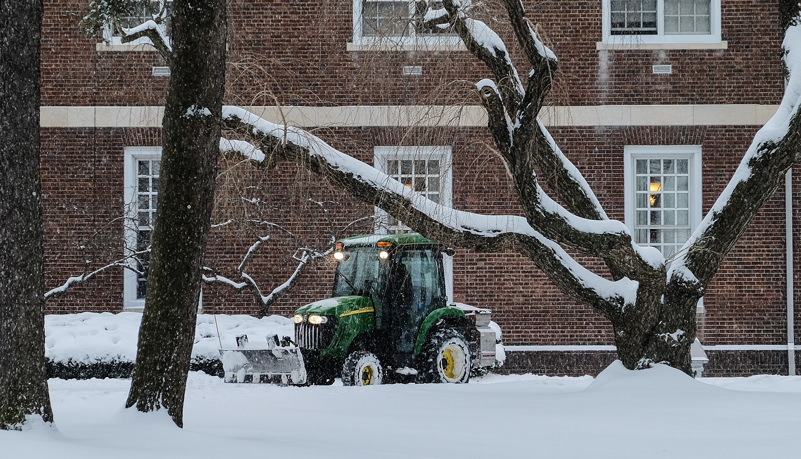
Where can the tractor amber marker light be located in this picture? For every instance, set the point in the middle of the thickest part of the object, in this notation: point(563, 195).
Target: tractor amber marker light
point(358, 311)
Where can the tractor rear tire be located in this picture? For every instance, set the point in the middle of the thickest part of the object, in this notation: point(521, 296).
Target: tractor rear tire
point(446, 358)
point(362, 368)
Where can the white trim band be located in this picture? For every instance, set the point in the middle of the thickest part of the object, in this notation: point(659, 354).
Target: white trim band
point(429, 115)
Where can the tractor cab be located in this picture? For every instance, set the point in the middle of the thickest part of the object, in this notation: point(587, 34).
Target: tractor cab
point(403, 275)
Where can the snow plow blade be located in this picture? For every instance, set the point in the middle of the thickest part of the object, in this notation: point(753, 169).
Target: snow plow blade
point(277, 365)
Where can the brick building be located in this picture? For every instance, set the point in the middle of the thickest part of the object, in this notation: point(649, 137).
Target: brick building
point(646, 88)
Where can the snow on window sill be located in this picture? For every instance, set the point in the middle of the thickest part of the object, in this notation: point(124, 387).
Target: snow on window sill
point(112, 47)
point(405, 47)
point(600, 46)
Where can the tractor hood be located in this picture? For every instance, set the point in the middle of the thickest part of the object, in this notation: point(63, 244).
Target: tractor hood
point(339, 306)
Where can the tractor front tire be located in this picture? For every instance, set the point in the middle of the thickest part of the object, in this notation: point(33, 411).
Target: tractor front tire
point(362, 368)
point(446, 358)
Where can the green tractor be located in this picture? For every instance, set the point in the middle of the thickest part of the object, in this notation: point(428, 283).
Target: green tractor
point(388, 320)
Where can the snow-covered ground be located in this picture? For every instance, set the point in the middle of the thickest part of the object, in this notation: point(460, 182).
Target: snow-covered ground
point(620, 414)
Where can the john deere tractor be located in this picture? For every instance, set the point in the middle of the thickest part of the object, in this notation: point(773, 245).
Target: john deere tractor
point(388, 320)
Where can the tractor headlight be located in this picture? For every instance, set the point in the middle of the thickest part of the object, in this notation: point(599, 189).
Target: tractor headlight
point(298, 318)
point(317, 320)
point(383, 254)
point(339, 256)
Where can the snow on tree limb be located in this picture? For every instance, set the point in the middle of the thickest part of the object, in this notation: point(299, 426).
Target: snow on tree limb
point(774, 150)
point(75, 280)
point(488, 47)
point(463, 229)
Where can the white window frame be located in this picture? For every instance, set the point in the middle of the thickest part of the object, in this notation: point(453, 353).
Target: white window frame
point(689, 152)
point(381, 154)
point(414, 40)
point(132, 156)
point(114, 41)
point(714, 35)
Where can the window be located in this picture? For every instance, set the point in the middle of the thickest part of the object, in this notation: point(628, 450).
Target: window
point(663, 195)
point(401, 22)
point(661, 21)
point(148, 12)
point(423, 169)
point(142, 169)
point(426, 170)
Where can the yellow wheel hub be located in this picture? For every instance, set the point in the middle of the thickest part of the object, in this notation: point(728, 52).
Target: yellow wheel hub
point(367, 375)
point(449, 364)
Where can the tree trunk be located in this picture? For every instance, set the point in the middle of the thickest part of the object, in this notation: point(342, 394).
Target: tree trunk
point(191, 137)
point(23, 376)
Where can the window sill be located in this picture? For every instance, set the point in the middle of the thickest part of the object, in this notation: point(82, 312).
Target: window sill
point(111, 47)
point(405, 47)
point(600, 46)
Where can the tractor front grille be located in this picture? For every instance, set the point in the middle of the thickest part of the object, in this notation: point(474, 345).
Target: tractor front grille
point(309, 336)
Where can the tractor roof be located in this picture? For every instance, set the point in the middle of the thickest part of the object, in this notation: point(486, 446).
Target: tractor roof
point(395, 239)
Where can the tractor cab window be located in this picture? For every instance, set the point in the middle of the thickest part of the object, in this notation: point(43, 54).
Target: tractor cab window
point(357, 273)
point(417, 288)
point(422, 285)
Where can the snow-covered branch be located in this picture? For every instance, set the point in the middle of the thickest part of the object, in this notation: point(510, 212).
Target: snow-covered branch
point(488, 47)
point(247, 282)
point(75, 280)
point(462, 229)
point(774, 150)
point(152, 30)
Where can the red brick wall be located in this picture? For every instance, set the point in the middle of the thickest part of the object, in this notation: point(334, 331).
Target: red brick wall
point(279, 52)
point(295, 53)
point(82, 174)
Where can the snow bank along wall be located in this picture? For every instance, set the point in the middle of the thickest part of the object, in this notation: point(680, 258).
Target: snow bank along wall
point(101, 100)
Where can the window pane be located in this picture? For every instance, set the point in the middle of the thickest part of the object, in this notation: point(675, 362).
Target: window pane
point(656, 218)
point(683, 200)
point(642, 218)
point(406, 166)
point(682, 217)
point(703, 24)
point(642, 183)
point(670, 217)
point(420, 183)
point(144, 168)
point(682, 183)
point(671, 24)
point(433, 167)
point(670, 184)
point(670, 200)
point(641, 166)
point(642, 200)
point(681, 166)
point(655, 166)
point(392, 167)
point(433, 183)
